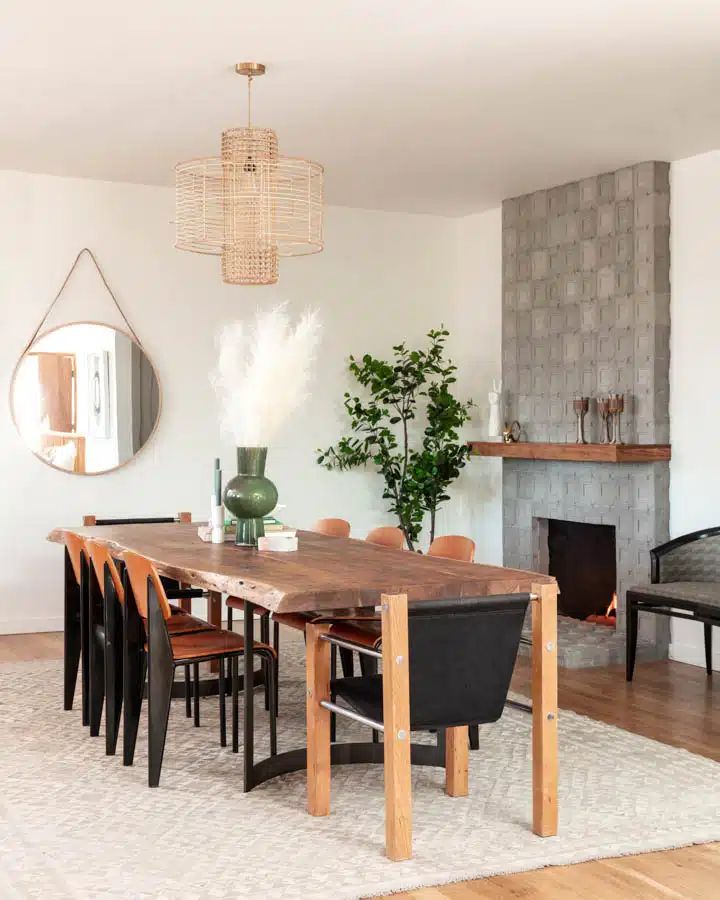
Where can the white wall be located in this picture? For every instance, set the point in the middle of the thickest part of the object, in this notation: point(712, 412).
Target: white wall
point(475, 324)
point(383, 278)
point(694, 366)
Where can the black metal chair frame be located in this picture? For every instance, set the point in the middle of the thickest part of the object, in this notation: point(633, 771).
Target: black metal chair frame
point(159, 665)
point(693, 611)
point(78, 627)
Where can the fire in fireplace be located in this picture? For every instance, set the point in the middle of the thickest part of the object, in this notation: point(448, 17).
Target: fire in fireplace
point(582, 558)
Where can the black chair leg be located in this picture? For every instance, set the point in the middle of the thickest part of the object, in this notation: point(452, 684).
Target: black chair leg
point(229, 618)
point(708, 649)
point(160, 684)
point(234, 665)
point(221, 697)
point(474, 734)
point(196, 693)
point(97, 683)
point(72, 639)
point(631, 637)
point(84, 640)
point(134, 688)
point(273, 709)
point(333, 717)
point(113, 670)
point(267, 663)
point(188, 693)
point(276, 645)
point(346, 661)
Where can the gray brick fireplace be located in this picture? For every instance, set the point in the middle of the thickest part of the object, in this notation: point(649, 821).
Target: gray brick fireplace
point(586, 311)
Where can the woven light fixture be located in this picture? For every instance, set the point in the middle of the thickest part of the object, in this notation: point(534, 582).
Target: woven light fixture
point(249, 205)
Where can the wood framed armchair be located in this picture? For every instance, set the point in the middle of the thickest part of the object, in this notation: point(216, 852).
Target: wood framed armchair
point(461, 652)
point(684, 584)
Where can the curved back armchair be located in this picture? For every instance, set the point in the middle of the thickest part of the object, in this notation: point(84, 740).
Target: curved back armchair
point(387, 536)
point(453, 546)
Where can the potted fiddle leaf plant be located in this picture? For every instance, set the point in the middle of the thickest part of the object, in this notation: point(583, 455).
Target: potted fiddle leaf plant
point(406, 425)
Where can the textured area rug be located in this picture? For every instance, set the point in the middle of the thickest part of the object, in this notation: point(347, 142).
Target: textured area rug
point(76, 824)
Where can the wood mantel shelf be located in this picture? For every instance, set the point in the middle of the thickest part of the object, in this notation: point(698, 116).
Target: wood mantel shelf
point(609, 453)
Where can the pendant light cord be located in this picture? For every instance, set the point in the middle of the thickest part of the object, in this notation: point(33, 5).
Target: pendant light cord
point(249, 101)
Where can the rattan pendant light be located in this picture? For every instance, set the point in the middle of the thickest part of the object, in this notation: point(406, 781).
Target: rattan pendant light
point(250, 205)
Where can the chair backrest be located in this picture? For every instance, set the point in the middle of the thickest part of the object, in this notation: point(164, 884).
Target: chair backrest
point(100, 557)
point(453, 546)
point(692, 557)
point(75, 547)
point(332, 527)
point(387, 536)
point(139, 569)
point(142, 520)
point(462, 655)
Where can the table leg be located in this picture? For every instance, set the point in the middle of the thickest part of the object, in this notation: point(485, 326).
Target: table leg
point(456, 761)
point(318, 720)
point(544, 710)
point(215, 618)
point(396, 716)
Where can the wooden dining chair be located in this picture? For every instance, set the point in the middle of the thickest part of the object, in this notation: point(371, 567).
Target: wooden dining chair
point(332, 527)
point(387, 536)
point(453, 546)
point(107, 651)
point(461, 658)
point(146, 598)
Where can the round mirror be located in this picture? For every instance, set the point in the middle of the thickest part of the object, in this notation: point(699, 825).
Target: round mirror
point(85, 398)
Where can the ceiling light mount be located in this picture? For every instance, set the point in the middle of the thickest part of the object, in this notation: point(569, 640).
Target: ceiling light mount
point(250, 69)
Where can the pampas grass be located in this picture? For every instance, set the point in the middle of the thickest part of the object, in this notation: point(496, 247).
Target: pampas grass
point(263, 373)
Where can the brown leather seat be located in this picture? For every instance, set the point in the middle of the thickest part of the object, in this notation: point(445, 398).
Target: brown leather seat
point(206, 643)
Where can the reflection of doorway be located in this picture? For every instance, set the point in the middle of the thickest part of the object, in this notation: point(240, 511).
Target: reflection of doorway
point(57, 380)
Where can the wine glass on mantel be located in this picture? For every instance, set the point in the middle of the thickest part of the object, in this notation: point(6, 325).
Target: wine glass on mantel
point(581, 406)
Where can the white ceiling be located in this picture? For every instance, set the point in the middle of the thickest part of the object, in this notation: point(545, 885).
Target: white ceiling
point(442, 106)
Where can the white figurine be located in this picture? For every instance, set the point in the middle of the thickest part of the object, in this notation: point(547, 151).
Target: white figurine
point(495, 423)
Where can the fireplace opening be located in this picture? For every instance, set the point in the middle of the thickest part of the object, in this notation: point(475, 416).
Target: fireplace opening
point(582, 558)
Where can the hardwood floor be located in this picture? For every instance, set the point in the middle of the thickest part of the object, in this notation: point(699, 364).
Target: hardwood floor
point(667, 701)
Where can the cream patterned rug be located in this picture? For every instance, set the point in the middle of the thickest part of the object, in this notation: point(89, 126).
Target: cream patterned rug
point(75, 824)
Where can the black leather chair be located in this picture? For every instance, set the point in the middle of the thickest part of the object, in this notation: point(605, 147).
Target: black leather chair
point(461, 652)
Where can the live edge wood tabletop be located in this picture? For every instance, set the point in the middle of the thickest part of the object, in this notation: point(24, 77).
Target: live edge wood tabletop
point(329, 573)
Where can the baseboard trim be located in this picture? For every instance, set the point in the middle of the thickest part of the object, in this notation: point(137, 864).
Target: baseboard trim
point(32, 625)
point(694, 654)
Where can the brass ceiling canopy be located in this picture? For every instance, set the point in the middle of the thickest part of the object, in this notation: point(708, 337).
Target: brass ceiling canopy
point(250, 205)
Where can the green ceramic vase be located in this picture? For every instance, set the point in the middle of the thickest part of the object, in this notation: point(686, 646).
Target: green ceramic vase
point(250, 496)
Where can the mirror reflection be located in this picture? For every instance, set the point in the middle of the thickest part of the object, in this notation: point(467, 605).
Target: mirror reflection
point(85, 398)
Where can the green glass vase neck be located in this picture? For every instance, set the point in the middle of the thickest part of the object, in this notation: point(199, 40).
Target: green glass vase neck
point(251, 460)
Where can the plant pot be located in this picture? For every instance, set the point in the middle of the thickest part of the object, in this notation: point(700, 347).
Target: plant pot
point(250, 496)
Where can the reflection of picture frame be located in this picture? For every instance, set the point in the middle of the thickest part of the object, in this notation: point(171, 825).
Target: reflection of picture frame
point(98, 366)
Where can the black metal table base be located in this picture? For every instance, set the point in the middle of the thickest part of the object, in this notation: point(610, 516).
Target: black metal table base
point(340, 755)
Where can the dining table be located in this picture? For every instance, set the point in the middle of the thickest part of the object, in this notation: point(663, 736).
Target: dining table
point(330, 574)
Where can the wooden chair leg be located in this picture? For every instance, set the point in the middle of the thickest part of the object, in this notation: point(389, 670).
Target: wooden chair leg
point(318, 720)
point(396, 716)
point(708, 649)
point(631, 632)
point(221, 699)
point(456, 761)
point(544, 710)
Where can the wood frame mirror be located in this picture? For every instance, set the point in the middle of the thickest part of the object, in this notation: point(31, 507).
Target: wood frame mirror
point(85, 398)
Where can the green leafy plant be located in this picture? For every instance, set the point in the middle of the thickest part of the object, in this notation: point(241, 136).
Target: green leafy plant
point(384, 425)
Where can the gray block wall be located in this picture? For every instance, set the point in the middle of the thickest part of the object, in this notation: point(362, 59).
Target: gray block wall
point(586, 311)
point(586, 303)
